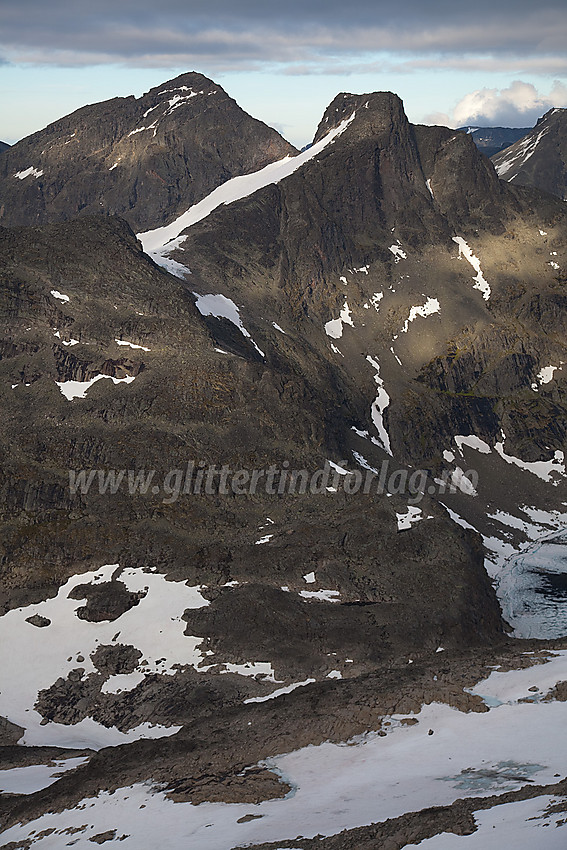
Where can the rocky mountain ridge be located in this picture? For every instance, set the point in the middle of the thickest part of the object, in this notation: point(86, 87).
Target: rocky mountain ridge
point(391, 198)
point(540, 158)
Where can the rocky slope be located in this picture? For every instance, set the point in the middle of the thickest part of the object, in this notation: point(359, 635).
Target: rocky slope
point(146, 158)
point(334, 590)
point(4, 147)
point(492, 140)
point(540, 158)
point(432, 287)
point(72, 294)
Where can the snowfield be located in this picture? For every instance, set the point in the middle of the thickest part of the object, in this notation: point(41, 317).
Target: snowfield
point(446, 755)
point(154, 626)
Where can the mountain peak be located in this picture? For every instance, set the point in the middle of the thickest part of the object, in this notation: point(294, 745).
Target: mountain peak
point(375, 112)
point(559, 111)
point(148, 159)
point(191, 80)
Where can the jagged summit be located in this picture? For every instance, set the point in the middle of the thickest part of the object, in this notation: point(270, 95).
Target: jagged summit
point(376, 112)
point(147, 158)
point(540, 158)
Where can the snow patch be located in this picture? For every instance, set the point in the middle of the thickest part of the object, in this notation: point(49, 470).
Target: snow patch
point(379, 405)
point(544, 469)
point(545, 375)
point(321, 595)
point(398, 252)
point(280, 691)
point(334, 328)
point(361, 461)
point(36, 777)
point(69, 342)
point(130, 344)
point(459, 479)
point(29, 172)
point(222, 307)
point(264, 539)
point(59, 295)
point(472, 442)
point(430, 307)
point(375, 301)
point(171, 266)
point(465, 251)
point(412, 515)
point(262, 669)
point(78, 389)
point(141, 129)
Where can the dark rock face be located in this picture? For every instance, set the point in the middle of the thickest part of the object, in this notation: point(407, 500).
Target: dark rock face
point(4, 147)
point(148, 159)
point(191, 402)
point(9, 733)
point(540, 158)
point(492, 140)
point(116, 659)
point(384, 181)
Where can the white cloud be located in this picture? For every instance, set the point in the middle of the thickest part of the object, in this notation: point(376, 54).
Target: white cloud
point(441, 119)
point(520, 105)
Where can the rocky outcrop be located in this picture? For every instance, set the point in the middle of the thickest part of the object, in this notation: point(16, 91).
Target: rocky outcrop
point(191, 402)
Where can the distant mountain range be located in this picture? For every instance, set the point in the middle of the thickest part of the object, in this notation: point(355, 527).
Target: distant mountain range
point(491, 140)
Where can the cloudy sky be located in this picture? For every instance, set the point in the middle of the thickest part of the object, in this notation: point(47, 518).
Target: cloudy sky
point(491, 62)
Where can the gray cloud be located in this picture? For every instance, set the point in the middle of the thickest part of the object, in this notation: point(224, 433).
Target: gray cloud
point(546, 65)
point(310, 35)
